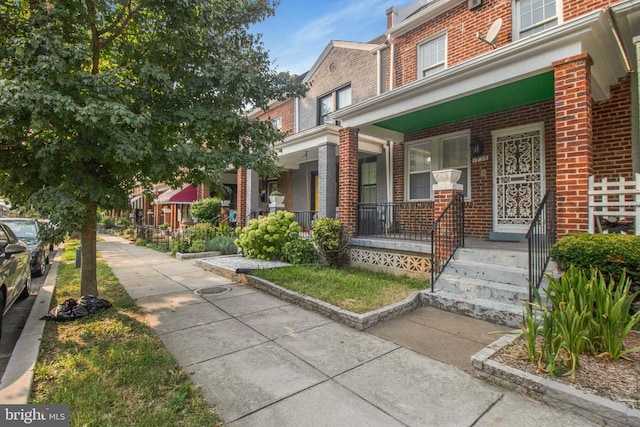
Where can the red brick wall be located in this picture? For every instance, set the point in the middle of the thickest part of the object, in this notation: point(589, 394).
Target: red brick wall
point(575, 8)
point(462, 25)
point(241, 201)
point(284, 109)
point(612, 146)
point(285, 186)
point(479, 210)
point(574, 151)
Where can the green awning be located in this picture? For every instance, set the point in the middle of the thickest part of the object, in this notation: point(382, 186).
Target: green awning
point(516, 94)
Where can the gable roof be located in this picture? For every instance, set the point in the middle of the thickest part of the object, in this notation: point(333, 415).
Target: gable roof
point(337, 44)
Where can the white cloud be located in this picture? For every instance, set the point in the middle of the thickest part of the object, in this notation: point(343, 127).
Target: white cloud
point(351, 20)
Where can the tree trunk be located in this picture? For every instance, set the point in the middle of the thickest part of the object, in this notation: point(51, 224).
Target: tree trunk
point(88, 280)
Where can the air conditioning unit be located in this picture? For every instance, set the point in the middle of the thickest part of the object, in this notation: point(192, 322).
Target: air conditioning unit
point(474, 4)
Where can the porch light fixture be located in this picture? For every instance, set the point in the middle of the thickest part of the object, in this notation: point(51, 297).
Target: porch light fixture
point(476, 148)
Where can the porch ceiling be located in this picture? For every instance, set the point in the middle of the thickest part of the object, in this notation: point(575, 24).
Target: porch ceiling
point(516, 94)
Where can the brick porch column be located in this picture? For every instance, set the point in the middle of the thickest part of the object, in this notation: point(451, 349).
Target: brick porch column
point(348, 179)
point(241, 197)
point(574, 135)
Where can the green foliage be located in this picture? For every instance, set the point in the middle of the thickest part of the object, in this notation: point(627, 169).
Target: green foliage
point(613, 318)
point(159, 94)
point(265, 237)
point(123, 222)
point(332, 241)
point(610, 254)
point(206, 210)
point(113, 359)
point(354, 289)
point(299, 251)
point(107, 222)
point(197, 246)
point(223, 244)
point(225, 229)
point(585, 313)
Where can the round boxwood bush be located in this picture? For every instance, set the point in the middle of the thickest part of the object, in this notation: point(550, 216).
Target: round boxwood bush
point(265, 237)
point(608, 253)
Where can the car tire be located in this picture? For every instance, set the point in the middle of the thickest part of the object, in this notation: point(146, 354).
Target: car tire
point(26, 291)
point(42, 267)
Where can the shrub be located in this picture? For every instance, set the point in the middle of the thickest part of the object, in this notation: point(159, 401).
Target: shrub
point(332, 241)
point(586, 314)
point(265, 237)
point(608, 253)
point(223, 244)
point(107, 222)
point(123, 222)
point(299, 251)
point(180, 244)
point(197, 246)
point(206, 210)
point(203, 231)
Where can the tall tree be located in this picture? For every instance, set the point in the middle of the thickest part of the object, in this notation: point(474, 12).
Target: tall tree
point(98, 96)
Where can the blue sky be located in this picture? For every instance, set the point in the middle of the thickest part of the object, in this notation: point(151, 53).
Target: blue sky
point(301, 29)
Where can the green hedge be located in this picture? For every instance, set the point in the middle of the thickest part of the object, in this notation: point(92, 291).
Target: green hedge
point(609, 253)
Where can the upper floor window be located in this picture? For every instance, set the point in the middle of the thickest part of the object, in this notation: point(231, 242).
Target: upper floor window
point(331, 102)
point(277, 122)
point(432, 56)
point(534, 16)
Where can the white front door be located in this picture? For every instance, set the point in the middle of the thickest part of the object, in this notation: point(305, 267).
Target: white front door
point(518, 186)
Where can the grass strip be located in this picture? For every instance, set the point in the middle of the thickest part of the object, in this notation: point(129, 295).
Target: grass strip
point(353, 289)
point(109, 367)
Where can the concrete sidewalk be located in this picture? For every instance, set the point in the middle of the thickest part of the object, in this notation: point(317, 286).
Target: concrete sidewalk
point(262, 361)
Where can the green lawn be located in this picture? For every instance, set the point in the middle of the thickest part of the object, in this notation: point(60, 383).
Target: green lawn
point(352, 289)
point(110, 367)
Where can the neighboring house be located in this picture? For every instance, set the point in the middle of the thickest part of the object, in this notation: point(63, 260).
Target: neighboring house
point(346, 73)
point(173, 205)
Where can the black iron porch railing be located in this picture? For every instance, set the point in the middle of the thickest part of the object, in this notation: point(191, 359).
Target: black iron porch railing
point(305, 218)
point(398, 220)
point(541, 237)
point(447, 235)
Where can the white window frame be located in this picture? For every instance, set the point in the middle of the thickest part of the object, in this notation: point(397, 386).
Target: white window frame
point(333, 96)
point(517, 30)
point(443, 63)
point(277, 122)
point(437, 162)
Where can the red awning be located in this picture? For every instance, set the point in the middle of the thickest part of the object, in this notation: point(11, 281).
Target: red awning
point(185, 195)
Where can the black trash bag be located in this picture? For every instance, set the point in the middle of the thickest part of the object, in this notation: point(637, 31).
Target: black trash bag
point(73, 309)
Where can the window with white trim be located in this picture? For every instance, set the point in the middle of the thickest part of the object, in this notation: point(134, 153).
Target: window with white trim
point(368, 181)
point(449, 151)
point(533, 16)
point(277, 122)
point(331, 102)
point(432, 56)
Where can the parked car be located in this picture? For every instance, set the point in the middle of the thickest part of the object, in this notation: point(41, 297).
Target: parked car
point(28, 230)
point(15, 271)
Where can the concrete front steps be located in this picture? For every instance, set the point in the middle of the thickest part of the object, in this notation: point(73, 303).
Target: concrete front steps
point(488, 284)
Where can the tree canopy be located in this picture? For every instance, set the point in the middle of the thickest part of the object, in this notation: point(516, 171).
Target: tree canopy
point(99, 96)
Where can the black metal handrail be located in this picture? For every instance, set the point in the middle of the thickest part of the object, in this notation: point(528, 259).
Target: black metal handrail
point(395, 220)
point(447, 235)
point(541, 237)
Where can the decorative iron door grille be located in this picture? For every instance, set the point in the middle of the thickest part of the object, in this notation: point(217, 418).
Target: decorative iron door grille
point(519, 173)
